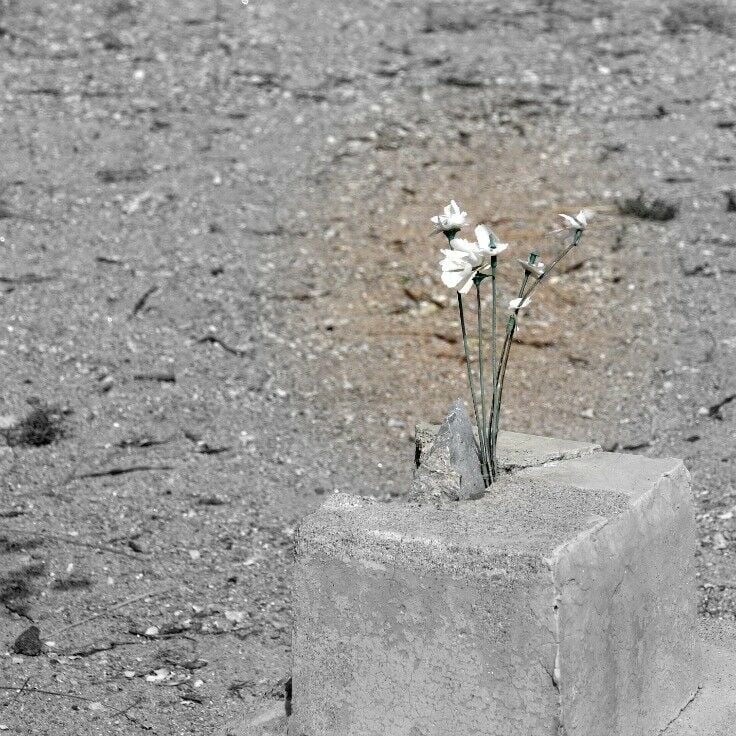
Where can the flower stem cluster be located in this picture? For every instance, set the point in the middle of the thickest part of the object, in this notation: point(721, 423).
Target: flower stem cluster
point(468, 264)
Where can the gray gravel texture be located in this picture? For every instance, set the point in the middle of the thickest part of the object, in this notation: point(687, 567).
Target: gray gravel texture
point(216, 271)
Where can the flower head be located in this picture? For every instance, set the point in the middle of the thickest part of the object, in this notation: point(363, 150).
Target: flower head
point(574, 225)
point(452, 220)
point(535, 269)
point(516, 304)
point(488, 241)
point(464, 259)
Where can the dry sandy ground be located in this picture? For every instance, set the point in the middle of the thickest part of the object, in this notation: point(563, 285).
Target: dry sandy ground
point(217, 273)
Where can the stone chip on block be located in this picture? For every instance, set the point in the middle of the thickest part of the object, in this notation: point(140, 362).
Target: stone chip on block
point(561, 602)
point(450, 467)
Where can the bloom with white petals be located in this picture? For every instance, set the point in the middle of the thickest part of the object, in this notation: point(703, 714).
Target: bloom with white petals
point(451, 220)
point(534, 269)
point(465, 259)
point(488, 241)
point(516, 304)
point(575, 225)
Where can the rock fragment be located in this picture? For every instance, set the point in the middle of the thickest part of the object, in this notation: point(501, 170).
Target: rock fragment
point(449, 469)
point(29, 642)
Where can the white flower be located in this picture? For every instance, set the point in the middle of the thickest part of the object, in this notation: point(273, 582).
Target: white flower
point(516, 304)
point(452, 220)
point(575, 225)
point(535, 269)
point(488, 241)
point(457, 270)
point(464, 259)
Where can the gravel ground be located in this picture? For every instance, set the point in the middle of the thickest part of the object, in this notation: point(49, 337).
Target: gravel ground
point(219, 301)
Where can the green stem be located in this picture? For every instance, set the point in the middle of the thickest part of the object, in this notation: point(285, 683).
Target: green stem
point(498, 384)
point(489, 439)
point(506, 350)
point(498, 395)
point(551, 266)
point(471, 385)
point(482, 435)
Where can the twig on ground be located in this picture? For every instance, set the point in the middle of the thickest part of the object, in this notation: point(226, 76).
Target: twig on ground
point(160, 376)
point(124, 711)
point(142, 300)
point(46, 692)
point(117, 606)
point(120, 471)
point(76, 542)
point(227, 348)
point(714, 411)
point(17, 695)
point(91, 649)
point(56, 693)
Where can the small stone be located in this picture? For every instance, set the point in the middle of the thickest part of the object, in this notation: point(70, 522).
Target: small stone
point(158, 675)
point(137, 546)
point(8, 421)
point(105, 384)
point(29, 642)
point(450, 469)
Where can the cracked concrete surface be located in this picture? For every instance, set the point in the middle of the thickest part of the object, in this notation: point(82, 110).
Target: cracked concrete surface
point(713, 711)
point(584, 566)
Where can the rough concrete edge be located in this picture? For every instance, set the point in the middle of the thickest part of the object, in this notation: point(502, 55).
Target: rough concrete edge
point(583, 449)
point(552, 562)
point(424, 434)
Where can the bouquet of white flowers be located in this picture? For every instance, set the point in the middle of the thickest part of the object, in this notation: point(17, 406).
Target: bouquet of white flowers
point(468, 264)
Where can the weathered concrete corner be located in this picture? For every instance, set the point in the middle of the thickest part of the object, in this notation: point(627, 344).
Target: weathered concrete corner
point(626, 604)
point(450, 465)
point(564, 599)
point(517, 450)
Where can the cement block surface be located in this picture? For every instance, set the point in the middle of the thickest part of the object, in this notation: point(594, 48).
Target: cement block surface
point(616, 641)
point(515, 450)
point(712, 712)
point(564, 599)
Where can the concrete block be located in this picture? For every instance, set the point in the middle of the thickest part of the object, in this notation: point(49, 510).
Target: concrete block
point(562, 602)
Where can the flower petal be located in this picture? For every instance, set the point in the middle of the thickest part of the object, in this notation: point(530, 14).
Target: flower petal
point(465, 246)
point(536, 269)
point(466, 284)
point(482, 236)
point(516, 304)
point(570, 221)
point(454, 279)
point(584, 217)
